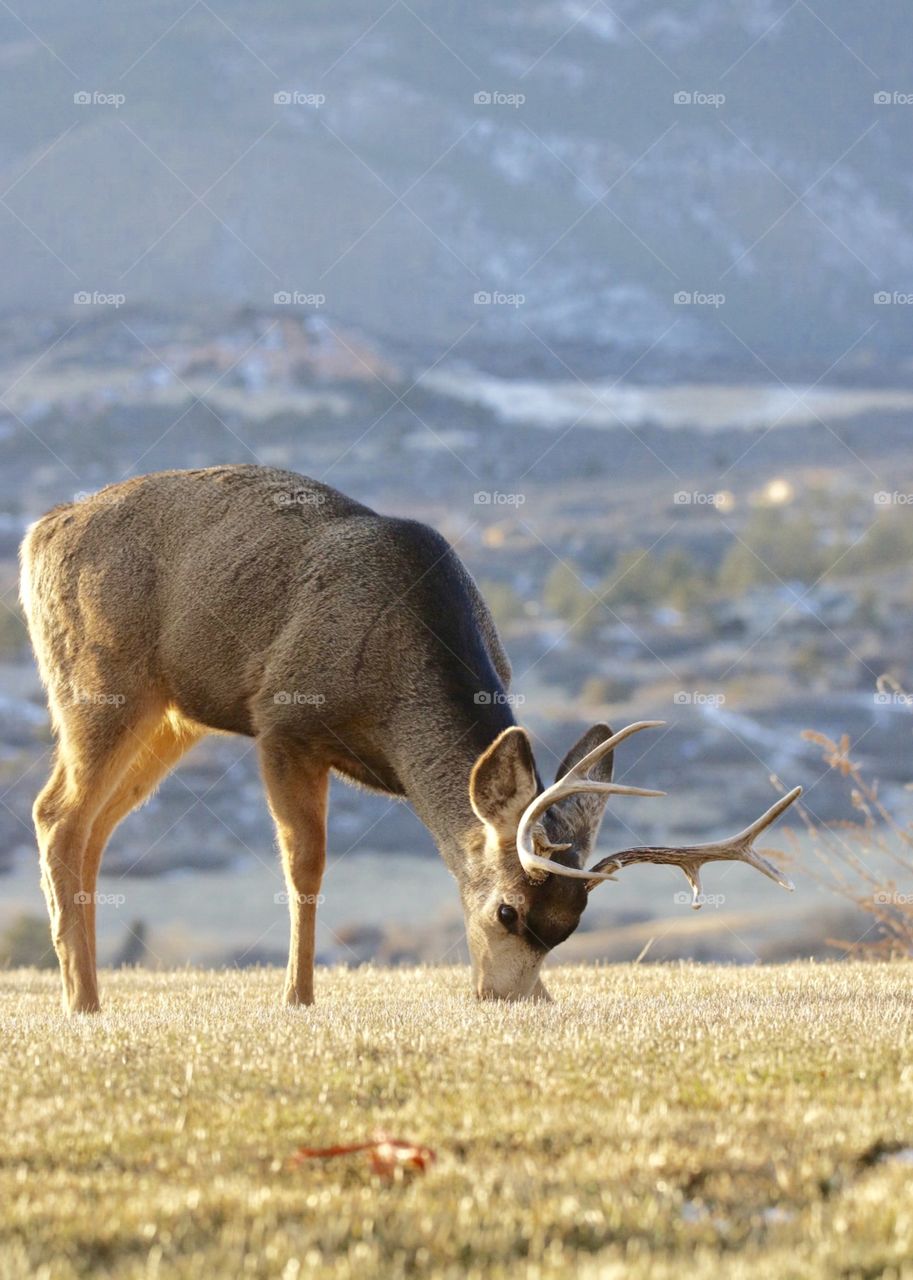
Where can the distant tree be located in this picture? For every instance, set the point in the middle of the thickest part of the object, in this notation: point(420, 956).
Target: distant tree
point(26, 942)
point(775, 546)
point(889, 542)
point(635, 579)
point(13, 634)
point(503, 601)
point(640, 577)
point(740, 571)
point(683, 584)
point(598, 690)
point(566, 597)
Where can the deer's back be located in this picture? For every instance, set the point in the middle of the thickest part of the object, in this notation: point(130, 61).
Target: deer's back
point(248, 595)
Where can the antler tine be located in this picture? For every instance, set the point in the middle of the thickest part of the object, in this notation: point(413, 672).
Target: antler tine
point(575, 781)
point(690, 858)
point(582, 767)
point(768, 818)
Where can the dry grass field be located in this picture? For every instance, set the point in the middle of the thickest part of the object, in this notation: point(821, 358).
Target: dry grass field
point(653, 1121)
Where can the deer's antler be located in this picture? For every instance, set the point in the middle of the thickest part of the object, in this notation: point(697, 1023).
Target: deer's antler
point(692, 857)
point(533, 847)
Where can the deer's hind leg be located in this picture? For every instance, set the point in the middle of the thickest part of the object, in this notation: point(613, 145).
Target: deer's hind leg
point(97, 744)
point(155, 757)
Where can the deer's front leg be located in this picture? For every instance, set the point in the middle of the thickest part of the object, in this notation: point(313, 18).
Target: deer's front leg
point(296, 788)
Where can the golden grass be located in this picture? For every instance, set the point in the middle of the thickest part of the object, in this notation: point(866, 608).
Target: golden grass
point(654, 1121)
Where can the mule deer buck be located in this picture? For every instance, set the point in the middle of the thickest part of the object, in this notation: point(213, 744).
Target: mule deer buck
point(249, 600)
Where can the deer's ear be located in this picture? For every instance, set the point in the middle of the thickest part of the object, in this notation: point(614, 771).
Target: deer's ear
point(601, 771)
point(582, 812)
point(503, 782)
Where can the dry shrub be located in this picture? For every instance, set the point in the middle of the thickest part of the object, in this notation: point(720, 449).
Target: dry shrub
point(864, 858)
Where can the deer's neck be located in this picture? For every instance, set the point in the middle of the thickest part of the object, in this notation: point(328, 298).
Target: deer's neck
point(447, 741)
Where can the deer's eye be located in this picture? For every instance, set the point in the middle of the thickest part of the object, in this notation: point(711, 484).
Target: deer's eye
point(507, 915)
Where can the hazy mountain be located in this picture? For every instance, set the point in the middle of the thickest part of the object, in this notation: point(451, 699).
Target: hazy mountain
point(399, 197)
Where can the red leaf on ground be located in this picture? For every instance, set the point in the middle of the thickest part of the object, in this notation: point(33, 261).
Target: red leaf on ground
point(388, 1156)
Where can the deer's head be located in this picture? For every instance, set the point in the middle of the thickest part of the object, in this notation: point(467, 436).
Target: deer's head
point(525, 883)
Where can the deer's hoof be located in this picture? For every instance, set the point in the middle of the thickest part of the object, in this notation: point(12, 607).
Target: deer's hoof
point(82, 1004)
point(297, 999)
